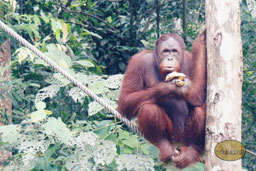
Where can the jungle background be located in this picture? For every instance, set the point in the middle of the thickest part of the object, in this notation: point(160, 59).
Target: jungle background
point(58, 127)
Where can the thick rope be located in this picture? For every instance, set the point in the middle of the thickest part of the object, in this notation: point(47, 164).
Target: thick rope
point(68, 76)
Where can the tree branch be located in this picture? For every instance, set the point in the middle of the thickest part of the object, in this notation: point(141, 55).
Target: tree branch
point(99, 29)
point(184, 3)
point(248, 89)
point(150, 11)
point(157, 17)
point(145, 27)
point(198, 11)
point(93, 16)
point(61, 10)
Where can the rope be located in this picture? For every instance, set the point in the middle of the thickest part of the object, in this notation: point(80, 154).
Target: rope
point(68, 76)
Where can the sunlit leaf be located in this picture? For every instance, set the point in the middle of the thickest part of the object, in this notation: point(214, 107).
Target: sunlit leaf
point(98, 87)
point(114, 82)
point(40, 105)
point(94, 108)
point(109, 19)
point(64, 31)
point(38, 115)
point(55, 127)
point(9, 133)
point(86, 63)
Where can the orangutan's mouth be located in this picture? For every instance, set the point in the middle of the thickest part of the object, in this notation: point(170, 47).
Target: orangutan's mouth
point(168, 69)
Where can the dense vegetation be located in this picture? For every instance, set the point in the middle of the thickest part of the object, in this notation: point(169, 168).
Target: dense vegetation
point(57, 126)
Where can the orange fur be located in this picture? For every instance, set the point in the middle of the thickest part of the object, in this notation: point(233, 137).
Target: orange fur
point(166, 113)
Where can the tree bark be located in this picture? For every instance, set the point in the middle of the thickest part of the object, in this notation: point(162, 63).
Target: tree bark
point(132, 8)
point(5, 102)
point(184, 19)
point(224, 79)
point(157, 18)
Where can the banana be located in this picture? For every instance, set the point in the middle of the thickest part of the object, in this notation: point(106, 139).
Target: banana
point(178, 76)
point(173, 75)
point(179, 83)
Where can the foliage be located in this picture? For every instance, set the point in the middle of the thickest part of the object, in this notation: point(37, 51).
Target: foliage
point(45, 143)
point(249, 89)
point(93, 40)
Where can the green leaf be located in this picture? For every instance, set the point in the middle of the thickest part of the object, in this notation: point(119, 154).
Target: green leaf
point(24, 53)
point(17, 112)
point(55, 127)
point(128, 150)
point(98, 87)
point(39, 61)
point(114, 82)
point(9, 133)
point(145, 43)
point(46, 19)
point(94, 108)
point(63, 63)
point(58, 56)
point(145, 149)
point(61, 78)
point(83, 78)
point(134, 162)
point(38, 115)
point(3, 69)
point(65, 31)
point(34, 85)
point(195, 167)
point(86, 63)
point(77, 94)
point(131, 142)
point(57, 33)
point(122, 66)
point(109, 19)
point(103, 128)
point(40, 105)
point(87, 32)
point(113, 138)
point(36, 20)
point(99, 68)
point(123, 134)
point(56, 24)
point(51, 150)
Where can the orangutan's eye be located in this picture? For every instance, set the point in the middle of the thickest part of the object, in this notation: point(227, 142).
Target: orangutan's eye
point(166, 51)
point(174, 51)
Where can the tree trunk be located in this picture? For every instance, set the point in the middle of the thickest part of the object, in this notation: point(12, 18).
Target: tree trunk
point(5, 102)
point(157, 18)
point(224, 79)
point(184, 19)
point(132, 8)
